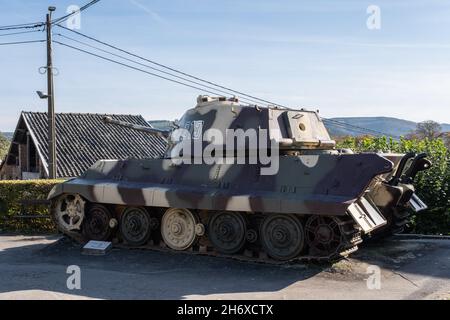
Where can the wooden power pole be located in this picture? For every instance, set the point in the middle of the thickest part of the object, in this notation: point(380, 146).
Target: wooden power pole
point(52, 172)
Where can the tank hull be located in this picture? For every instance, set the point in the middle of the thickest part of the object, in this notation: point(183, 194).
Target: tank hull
point(313, 184)
point(331, 186)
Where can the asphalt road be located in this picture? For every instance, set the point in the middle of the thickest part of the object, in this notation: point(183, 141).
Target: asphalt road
point(35, 268)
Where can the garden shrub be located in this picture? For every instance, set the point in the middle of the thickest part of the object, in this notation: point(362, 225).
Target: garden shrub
point(12, 192)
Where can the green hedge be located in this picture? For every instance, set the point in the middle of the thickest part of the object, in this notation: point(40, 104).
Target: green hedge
point(12, 192)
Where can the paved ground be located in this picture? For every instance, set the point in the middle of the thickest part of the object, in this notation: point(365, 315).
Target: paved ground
point(35, 268)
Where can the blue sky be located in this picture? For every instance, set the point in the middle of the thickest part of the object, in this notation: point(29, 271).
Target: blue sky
point(314, 54)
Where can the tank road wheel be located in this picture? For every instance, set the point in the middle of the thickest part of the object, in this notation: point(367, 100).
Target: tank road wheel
point(179, 228)
point(227, 231)
point(96, 224)
point(323, 235)
point(68, 212)
point(282, 236)
point(135, 226)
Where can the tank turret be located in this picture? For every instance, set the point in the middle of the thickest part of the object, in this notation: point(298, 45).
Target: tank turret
point(291, 129)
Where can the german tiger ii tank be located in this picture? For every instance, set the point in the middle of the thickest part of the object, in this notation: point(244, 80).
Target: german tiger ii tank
point(242, 181)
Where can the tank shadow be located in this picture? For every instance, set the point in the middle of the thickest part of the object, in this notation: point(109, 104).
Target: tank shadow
point(140, 274)
point(148, 274)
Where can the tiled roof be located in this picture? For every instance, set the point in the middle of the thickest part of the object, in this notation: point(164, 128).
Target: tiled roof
point(82, 139)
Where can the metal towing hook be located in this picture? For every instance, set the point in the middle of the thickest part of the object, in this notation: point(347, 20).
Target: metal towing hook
point(406, 176)
point(419, 163)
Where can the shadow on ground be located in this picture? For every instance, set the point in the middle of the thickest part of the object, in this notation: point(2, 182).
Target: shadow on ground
point(131, 274)
point(147, 274)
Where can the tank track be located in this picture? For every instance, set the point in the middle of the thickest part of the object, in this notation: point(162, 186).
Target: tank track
point(251, 256)
point(256, 255)
point(400, 219)
point(252, 252)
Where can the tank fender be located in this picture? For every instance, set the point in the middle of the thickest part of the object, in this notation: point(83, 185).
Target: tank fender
point(70, 188)
point(56, 191)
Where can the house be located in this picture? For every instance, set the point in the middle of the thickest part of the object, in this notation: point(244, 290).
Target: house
point(81, 140)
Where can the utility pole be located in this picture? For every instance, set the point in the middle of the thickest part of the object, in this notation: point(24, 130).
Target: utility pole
point(51, 100)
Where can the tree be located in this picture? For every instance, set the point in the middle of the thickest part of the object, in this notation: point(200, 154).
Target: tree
point(446, 137)
point(428, 129)
point(4, 146)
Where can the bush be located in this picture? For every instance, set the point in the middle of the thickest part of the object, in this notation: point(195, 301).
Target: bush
point(12, 192)
point(432, 185)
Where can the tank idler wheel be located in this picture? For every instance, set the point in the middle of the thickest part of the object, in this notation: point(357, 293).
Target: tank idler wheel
point(282, 236)
point(227, 231)
point(180, 228)
point(135, 226)
point(96, 224)
point(323, 235)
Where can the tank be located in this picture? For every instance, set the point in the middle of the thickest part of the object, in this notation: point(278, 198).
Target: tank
point(236, 180)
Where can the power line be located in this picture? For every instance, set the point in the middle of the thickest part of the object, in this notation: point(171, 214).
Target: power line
point(354, 128)
point(253, 99)
point(138, 69)
point(173, 69)
point(150, 67)
point(360, 128)
point(16, 33)
point(336, 123)
point(132, 67)
point(331, 121)
point(203, 86)
point(342, 125)
point(22, 26)
point(339, 126)
point(32, 25)
point(20, 42)
point(64, 18)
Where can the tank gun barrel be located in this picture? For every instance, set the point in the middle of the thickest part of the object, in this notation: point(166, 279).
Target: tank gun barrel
point(159, 132)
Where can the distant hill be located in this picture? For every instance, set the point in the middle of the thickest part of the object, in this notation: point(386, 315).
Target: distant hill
point(390, 126)
point(8, 135)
